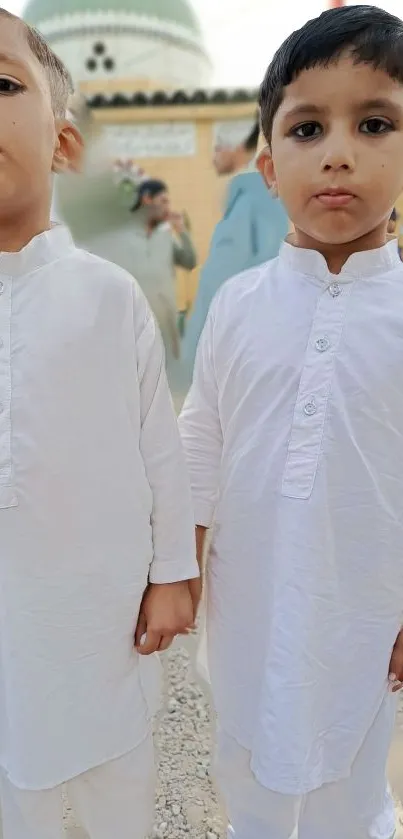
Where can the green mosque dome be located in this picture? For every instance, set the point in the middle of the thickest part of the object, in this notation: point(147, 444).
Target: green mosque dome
point(104, 41)
point(177, 12)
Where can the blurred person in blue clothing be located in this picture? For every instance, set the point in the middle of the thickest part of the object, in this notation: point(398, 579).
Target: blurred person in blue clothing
point(250, 232)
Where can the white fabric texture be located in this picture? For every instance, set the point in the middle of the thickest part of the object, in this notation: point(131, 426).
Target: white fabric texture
point(113, 801)
point(94, 500)
point(357, 807)
point(293, 431)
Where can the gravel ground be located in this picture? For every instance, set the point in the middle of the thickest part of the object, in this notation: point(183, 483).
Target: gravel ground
point(186, 804)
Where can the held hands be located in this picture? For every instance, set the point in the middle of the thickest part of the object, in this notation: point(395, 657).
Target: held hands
point(396, 665)
point(166, 611)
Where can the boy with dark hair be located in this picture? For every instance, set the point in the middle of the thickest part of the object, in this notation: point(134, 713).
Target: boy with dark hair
point(294, 437)
point(95, 512)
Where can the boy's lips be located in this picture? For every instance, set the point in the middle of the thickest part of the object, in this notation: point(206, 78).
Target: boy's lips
point(334, 197)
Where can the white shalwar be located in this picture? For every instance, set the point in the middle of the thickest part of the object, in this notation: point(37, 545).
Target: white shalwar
point(94, 502)
point(293, 430)
point(111, 801)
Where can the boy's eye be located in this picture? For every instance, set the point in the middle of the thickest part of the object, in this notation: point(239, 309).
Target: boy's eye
point(375, 125)
point(8, 86)
point(307, 130)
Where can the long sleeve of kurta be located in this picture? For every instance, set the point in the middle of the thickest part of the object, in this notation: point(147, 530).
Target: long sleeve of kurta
point(172, 518)
point(200, 430)
point(184, 252)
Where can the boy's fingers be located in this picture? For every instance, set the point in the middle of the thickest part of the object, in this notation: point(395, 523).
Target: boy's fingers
point(396, 665)
point(396, 661)
point(141, 629)
point(395, 683)
point(165, 642)
point(150, 644)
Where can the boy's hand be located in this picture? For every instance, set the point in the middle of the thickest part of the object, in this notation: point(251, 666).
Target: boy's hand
point(396, 665)
point(166, 611)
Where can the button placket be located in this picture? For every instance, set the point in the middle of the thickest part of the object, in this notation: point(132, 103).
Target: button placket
point(314, 390)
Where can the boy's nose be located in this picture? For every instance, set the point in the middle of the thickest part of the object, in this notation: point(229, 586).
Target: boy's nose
point(337, 158)
point(338, 153)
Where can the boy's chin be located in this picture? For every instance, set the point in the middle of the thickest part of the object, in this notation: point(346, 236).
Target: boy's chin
point(331, 236)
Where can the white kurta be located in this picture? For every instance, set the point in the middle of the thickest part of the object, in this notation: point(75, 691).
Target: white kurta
point(294, 438)
point(94, 499)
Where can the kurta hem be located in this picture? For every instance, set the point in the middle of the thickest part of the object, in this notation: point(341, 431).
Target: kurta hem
point(78, 772)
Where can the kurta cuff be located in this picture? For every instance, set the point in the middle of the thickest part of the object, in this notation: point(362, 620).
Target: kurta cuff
point(204, 512)
point(175, 571)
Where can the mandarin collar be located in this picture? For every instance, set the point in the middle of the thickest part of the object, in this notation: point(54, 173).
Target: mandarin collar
point(41, 250)
point(359, 265)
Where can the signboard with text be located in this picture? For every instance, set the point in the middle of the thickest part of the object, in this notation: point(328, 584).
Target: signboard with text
point(136, 141)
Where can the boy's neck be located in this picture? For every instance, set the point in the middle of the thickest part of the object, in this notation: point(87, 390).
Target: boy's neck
point(337, 255)
point(15, 234)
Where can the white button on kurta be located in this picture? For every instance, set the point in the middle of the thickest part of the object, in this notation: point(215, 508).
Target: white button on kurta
point(93, 500)
point(322, 344)
point(294, 437)
point(335, 289)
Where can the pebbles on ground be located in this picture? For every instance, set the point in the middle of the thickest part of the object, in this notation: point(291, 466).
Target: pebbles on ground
point(186, 804)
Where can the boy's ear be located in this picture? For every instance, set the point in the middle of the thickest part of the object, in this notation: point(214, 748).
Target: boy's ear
point(266, 168)
point(69, 151)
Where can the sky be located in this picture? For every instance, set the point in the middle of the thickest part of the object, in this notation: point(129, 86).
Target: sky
point(242, 35)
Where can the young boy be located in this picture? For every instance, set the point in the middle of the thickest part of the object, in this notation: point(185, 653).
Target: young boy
point(95, 513)
point(294, 438)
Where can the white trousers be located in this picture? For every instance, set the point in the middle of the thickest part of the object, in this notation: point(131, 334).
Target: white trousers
point(113, 801)
point(359, 807)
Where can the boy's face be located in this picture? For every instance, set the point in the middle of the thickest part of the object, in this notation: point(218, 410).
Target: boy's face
point(336, 158)
point(32, 142)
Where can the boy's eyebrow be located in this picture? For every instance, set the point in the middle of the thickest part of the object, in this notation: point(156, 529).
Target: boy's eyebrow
point(303, 110)
point(10, 59)
point(377, 104)
point(308, 109)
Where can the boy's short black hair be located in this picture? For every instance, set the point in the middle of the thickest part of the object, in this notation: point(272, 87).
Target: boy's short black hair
point(372, 35)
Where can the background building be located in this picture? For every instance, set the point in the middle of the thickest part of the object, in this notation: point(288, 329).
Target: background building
point(144, 70)
point(125, 44)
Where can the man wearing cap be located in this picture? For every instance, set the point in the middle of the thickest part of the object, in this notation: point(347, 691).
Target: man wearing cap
point(251, 231)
